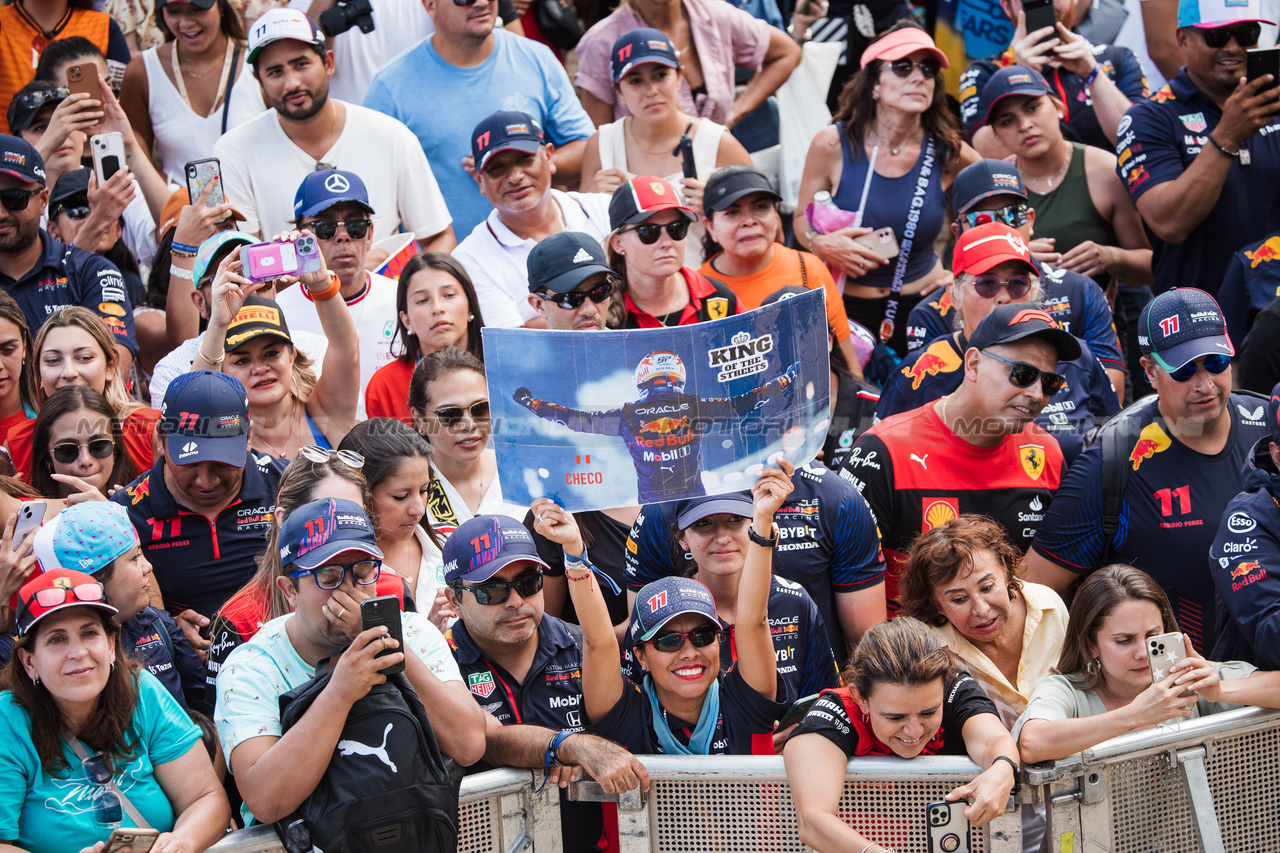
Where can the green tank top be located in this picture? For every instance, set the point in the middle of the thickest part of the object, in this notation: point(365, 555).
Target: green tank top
point(1068, 214)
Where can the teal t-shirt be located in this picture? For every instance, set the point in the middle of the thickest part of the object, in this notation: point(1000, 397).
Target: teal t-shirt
point(48, 814)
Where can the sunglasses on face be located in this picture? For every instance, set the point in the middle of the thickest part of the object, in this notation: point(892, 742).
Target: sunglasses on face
point(363, 573)
point(54, 596)
point(1215, 364)
point(673, 641)
point(69, 451)
point(988, 285)
point(327, 229)
point(649, 232)
point(1024, 375)
point(451, 416)
point(80, 211)
point(573, 299)
point(16, 199)
point(497, 592)
point(321, 455)
point(1246, 35)
point(1014, 215)
point(930, 68)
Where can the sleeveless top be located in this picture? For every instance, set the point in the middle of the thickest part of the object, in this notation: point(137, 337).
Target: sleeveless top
point(1067, 213)
point(316, 434)
point(887, 206)
point(183, 136)
point(706, 145)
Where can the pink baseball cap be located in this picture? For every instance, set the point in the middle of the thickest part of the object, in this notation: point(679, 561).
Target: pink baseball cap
point(902, 43)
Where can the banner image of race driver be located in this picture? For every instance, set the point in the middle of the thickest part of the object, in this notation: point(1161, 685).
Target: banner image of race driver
point(651, 415)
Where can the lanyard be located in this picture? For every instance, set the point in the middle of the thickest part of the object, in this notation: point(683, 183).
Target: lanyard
point(181, 85)
point(908, 239)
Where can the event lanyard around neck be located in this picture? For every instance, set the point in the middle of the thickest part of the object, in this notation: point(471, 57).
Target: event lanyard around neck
point(181, 84)
point(908, 239)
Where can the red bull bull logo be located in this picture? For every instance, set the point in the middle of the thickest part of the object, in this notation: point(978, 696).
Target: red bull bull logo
point(938, 357)
point(1151, 440)
point(1242, 569)
point(1246, 573)
point(665, 425)
point(1268, 251)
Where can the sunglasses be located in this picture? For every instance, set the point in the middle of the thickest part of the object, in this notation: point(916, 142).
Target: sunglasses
point(497, 592)
point(53, 596)
point(327, 229)
point(988, 285)
point(1014, 215)
point(673, 641)
point(69, 451)
point(1246, 35)
point(36, 100)
point(363, 573)
point(16, 199)
point(1215, 364)
point(649, 232)
point(106, 805)
point(80, 211)
point(451, 416)
point(573, 299)
point(930, 68)
point(1024, 375)
point(321, 455)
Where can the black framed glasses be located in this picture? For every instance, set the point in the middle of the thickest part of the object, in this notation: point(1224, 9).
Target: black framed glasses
point(649, 232)
point(17, 199)
point(67, 452)
point(1024, 375)
point(1215, 364)
point(363, 573)
point(673, 641)
point(930, 68)
point(988, 285)
point(107, 810)
point(573, 300)
point(327, 229)
point(316, 453)
point(1246, 35)
point(497, 592)
point(1014, 215)
point(451, 416)
point(77, 212)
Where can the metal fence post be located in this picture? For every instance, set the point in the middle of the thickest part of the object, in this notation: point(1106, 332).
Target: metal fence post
point(1197, 781)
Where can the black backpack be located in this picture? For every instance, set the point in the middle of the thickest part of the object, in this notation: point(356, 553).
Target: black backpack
point(388, 787)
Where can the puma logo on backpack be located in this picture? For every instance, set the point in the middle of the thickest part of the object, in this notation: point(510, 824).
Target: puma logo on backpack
point(355, 747)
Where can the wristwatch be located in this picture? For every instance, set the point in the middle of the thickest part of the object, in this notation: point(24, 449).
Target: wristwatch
point(760, 540)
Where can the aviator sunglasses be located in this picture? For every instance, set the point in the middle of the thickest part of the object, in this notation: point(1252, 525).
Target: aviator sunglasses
point(69, 451)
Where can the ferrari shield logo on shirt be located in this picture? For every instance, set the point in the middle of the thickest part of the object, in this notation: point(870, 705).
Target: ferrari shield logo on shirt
point(717, 308)
point(1194, 122)
point(481, 684)
point(1032, 458)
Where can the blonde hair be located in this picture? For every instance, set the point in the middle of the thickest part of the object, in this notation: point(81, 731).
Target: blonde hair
point(77, 317)
point(1034, 297)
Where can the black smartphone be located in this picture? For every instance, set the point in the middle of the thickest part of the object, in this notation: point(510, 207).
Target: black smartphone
point(1263, 60)
point(384, 610)
point(1040, 14)
point(797, 711)
point(686, 156)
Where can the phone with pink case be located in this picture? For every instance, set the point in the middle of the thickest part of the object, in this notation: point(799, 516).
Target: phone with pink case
point(267, 261)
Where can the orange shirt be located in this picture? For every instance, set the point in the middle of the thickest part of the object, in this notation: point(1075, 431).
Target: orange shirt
point(22, 42)
point(136, 430)
point(387, 394)
point(784, 271)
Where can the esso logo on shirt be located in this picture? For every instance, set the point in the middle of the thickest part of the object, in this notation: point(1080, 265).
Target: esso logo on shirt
point(1240, 522)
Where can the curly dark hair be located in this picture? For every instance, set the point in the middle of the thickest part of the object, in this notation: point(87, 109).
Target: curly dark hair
point(938, 556)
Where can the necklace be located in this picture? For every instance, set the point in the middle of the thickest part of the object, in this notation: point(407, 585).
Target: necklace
point(893, 151)
point(1049, 181)
point(282, 451)
point(179, 73)
point(661, 151)
point(942, 412)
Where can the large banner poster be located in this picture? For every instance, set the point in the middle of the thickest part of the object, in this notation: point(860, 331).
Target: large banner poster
point(615, 418)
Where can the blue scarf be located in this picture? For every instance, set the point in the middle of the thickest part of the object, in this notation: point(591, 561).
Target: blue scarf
point(700, 742)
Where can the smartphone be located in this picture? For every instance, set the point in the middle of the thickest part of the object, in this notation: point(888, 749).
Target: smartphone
point(384, 610)
point(882, 242)
point(948, 827)
point(797, 711)
point(267, 261)
point(108, 154)
point(137, 840)
point(199, 174)
point(1040, 14)
point(84, 78)
point(1263, 60)
point(1163, 651)
point(686, 156)
point(30, 517)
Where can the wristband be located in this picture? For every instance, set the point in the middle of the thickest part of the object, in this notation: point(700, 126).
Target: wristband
point(1223, 148)
point(552, 757)
point(328, 292)
point(1093, 75)
point(1017, 772)
point(581, 558)
point(183, 248)
point(178, 272)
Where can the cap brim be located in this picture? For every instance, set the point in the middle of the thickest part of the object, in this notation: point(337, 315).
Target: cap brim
point(1064, 342)
point(320, 208)
point(1022, 91)
point(317, 557)
point(525, 146)
point(229, 450)
point(490, 569)
point(722, 203)
point(1217, 25)
point(719, 506)
point(989, 263)
point(1185, 353)
point(983, 196)
point(244, 338)
point(642, 215)
point(20, 176)
point(670, 62)
point(100, 605)
point(901, 51)
point(649, 635)
point(569, 279)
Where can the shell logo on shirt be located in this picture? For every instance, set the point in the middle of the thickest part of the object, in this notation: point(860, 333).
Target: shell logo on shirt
point(937, 512)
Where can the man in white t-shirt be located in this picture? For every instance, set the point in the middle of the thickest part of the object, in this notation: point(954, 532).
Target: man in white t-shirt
point(514, 161)
point(265, 159)
point(335, 206)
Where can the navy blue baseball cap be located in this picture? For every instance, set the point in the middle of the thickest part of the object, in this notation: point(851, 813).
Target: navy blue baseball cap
point(1181, 325)
point(19, 159)
point(316, 532)
point(984, 179)
point(641, 46)
point(206, 419)
point(1273, 413)
point(484, 545)
point(696, 509)
point(320, 191)
point(565, 260)
point(1013, 80)
point(505, 130)
point(659, 602)
point(70, 185)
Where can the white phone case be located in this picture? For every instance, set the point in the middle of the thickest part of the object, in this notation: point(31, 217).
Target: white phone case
point(108, 155)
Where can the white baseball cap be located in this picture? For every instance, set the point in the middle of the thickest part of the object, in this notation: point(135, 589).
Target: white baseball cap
point(280, 24)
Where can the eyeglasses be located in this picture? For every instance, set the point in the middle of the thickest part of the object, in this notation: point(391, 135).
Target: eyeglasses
point(465, 3)
point(80, 211)
point(321, 455)
point(36, 100)
point(649, 233)
point(106, 805)
point(1215, 364)
point(988, 285)
point(327, 229)
point(930, 68)
point(451, 416)
point(17, 199)
point(53, 596)
point(1024, 375)
point(673, 641)
point(1014, 215)
point(497, 592)
point(69, 451)
point(363, 573)
point(1246, 35)
point(573, 299)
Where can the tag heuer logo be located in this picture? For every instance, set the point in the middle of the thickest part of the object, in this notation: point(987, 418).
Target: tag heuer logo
point(582, 257)
point(481, 684)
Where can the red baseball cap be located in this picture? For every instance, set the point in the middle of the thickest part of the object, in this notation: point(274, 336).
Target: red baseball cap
point(643, 196)
point(57, 590)
point(979, 249)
